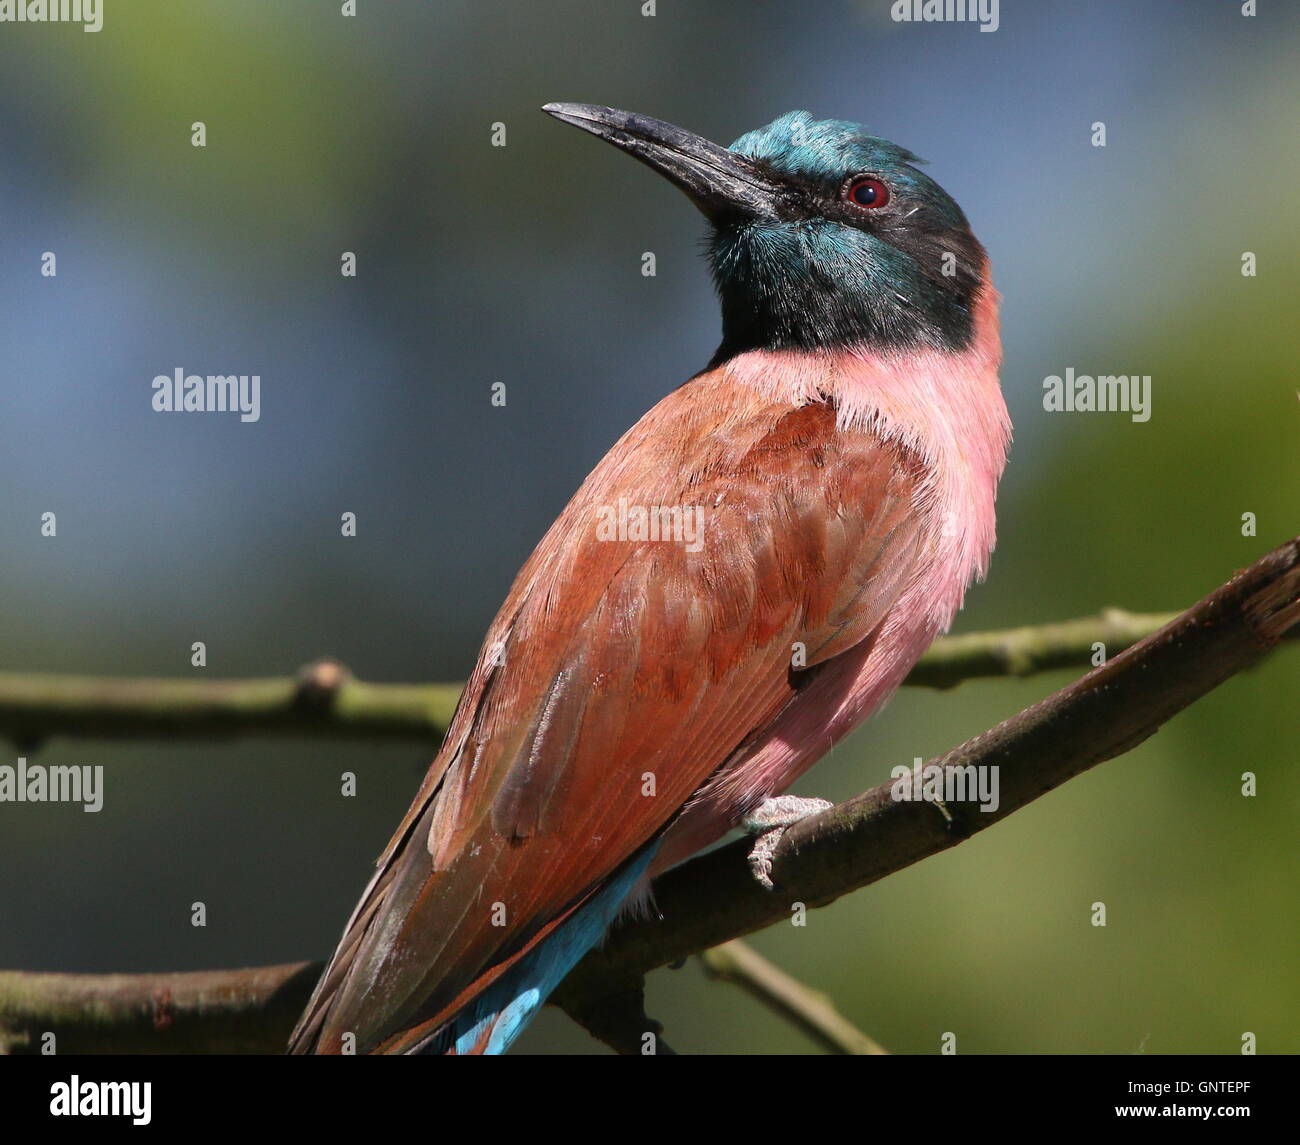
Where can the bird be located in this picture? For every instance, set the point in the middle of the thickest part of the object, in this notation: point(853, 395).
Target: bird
point(748, 574)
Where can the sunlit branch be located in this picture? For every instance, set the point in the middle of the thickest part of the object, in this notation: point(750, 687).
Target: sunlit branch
point(713, 898)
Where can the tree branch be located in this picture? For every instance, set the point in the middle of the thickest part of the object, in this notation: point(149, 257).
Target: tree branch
point(208, 1011)
point(713, 898)
point(324, 700)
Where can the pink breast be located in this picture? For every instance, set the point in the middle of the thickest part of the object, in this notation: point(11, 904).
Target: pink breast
point(948, 408)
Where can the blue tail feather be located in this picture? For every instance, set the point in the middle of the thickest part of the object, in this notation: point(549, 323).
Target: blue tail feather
point(503, 1010)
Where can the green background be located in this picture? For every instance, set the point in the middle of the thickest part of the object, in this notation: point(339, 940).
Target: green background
point(522, 264)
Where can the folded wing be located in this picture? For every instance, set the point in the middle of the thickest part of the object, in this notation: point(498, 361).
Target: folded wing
point(619, 675)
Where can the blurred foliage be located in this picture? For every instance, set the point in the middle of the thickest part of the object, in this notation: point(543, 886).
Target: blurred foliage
point(522, 264)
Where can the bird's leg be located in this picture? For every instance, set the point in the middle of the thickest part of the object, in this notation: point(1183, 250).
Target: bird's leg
point(768, 821)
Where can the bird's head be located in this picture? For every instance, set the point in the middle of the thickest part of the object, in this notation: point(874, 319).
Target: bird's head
point(823, 236)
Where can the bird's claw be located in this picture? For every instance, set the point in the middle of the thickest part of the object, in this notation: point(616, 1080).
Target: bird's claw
point(768, 821)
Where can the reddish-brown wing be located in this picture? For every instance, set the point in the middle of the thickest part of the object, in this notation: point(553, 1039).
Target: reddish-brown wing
point(618, 676)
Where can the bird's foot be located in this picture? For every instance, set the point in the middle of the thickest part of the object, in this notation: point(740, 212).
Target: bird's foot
point(768, 821)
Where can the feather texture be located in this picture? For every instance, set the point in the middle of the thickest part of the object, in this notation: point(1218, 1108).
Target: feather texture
point(831, 478)
point(618, 667)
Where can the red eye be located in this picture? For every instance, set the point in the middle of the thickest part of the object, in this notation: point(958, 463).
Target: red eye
point(866, 192)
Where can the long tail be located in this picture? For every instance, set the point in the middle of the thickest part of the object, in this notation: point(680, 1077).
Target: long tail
point(497, 1012)
point(499, 1015)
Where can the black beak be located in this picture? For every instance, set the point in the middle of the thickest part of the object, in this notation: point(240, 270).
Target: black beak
point(718, 181)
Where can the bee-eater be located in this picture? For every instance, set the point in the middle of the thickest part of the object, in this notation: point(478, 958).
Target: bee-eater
point(648, 686)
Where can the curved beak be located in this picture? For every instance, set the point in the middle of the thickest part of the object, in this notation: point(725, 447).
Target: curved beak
point(718, 181)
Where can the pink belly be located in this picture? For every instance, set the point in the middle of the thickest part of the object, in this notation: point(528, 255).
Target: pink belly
point(846, 692)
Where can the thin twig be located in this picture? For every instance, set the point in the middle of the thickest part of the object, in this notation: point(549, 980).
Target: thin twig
point(812, 1011)
point(324, 701)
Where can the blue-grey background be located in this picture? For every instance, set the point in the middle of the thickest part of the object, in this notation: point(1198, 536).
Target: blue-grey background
point(522, 265)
